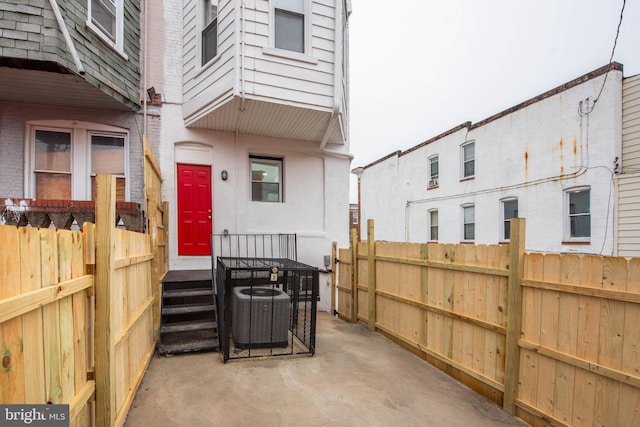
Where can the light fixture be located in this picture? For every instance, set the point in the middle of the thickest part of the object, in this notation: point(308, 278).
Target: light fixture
point(224, 175)
point(151, 92)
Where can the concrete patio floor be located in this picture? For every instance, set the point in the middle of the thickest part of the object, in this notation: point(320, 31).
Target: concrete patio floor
point(356, 378)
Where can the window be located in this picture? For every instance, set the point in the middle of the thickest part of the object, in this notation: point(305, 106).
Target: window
point(468, 222)
point(210, 31)
point(108, 156)
point(434, 172)
point(289, 24)
point(468, 155)
point(579, 213)
point(63, 161)
point(433, 225)
point(266, 179)
point(509, 210)
point(52, 170)
point(106, 20)
point(354, 217)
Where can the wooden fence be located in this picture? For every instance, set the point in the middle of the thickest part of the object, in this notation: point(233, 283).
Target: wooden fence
point(77, 324)
point(553, 338)
point(157, 223)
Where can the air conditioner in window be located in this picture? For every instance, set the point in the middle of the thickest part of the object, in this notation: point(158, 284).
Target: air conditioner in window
point(433, 183)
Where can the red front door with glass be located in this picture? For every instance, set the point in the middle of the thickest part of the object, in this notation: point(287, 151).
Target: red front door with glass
point(194, 210)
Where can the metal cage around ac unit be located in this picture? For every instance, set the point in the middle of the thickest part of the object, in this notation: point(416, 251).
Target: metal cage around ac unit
point(267, 307)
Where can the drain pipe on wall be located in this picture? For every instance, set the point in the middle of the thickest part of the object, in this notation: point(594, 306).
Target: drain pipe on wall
point(67, 37)
point(243, 101)
point(145, 45)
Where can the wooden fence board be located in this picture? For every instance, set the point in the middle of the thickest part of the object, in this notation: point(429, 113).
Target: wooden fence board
point(567, 339)
point(587, 341)
point(83, 389)
point(630, 396)
point(12, 381)
point(51, 318)
point(344, 283)
point(32, 331)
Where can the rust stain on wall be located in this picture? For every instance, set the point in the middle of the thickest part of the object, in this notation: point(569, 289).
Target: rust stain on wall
point(526, 165)
point(561, 144)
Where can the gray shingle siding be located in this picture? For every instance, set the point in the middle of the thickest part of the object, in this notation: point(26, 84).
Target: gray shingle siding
point(28, 30)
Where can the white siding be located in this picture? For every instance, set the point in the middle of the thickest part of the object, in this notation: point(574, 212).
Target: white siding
point(533, 152)
point(628, 215)
point(628, 194)
point(214, 80)
point(631, 124)
point(270, 77)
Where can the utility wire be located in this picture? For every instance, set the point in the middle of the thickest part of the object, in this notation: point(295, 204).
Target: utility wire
point(613, 50)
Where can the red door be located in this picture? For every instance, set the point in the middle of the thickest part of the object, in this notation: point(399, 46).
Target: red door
point(194, 210)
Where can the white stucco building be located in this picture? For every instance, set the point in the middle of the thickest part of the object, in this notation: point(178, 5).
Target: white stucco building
point(254, 125)
point(552, 160)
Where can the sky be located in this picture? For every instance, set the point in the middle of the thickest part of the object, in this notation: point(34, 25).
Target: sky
point(421, 67)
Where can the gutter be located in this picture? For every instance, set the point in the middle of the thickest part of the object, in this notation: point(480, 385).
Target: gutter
point(67, 37)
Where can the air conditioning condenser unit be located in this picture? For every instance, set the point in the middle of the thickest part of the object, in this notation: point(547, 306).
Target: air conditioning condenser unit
point(260, 317)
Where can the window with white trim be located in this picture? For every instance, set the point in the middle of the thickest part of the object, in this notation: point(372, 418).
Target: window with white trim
point(468, 159)
point(63, 161)
point(468, 222)
point(434, 171)
point(354, 217)
point(266, 179)
point(509, 210)
point(289, 25)
point(578, 214)
point(433, 225)
point(210, 30)
point(106, 19)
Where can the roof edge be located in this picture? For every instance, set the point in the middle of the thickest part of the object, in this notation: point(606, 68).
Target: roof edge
point(612, 66)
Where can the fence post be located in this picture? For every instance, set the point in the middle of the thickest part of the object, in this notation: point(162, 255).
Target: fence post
point(334, 265)
point(517, 240)
point(371, 243)
point(104, 271)
point(354, 275)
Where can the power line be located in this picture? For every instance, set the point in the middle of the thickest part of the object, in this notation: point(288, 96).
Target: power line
point(613, 50)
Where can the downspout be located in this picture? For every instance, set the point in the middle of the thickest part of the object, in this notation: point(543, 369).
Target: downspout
point(67, 37)
point(241, 54)
point(337, 74)
point(145, 45)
